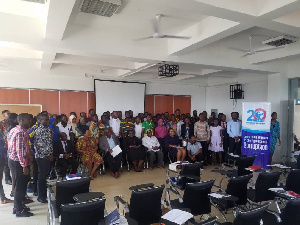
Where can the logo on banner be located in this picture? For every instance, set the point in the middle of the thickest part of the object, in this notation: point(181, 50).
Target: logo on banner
point(257, 116)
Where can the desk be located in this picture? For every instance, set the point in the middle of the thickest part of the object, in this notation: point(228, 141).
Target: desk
point(84, 197)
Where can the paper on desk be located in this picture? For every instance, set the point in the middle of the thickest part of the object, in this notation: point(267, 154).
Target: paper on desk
point(116, 151)
point(276, 189)
point(236, 156)
point(279, 166)
point(216, 195)
point(177, 216)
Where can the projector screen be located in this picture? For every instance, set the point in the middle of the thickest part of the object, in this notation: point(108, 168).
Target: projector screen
point(119, 96)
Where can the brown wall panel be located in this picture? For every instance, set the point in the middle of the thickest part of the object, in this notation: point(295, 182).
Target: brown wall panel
point(149, 104)
point(92, 101)
point(48, 99)
point(71, 101)
point(163, 104)
point(183, 103)
point(14, 96)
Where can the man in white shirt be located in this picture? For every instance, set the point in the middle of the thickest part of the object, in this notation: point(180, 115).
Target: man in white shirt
point(66, 128)
point(152, 145)
point(138, 127)
point(115, 123)
point(234, 130)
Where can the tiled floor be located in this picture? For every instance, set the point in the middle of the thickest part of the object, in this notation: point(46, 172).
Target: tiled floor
point(108, 185)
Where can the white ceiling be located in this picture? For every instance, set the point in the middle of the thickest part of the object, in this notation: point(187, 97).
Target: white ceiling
point(56, 39)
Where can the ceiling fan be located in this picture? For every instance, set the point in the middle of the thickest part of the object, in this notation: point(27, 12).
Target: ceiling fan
point(252, 51)
point(156, 23)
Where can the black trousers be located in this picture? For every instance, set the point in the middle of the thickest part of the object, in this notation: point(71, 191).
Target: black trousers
point(198, 157)
point(205, 152)
point(2, 164)
point(43, 171)
point(225, 145)
point(113, 163)
point(35, 175)
point(163, 148)
point(21, 181)
point(234, 147)
point(65, 163)
point(6, 167)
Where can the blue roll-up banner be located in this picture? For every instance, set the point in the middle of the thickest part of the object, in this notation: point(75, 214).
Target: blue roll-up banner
point(256, 132)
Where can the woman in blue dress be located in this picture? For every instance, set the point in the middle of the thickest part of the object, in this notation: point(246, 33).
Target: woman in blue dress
point(275, 134)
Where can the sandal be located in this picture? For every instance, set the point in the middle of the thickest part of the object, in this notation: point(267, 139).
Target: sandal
point(6, 201)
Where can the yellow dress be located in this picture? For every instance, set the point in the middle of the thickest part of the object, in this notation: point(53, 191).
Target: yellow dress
point(85, 144)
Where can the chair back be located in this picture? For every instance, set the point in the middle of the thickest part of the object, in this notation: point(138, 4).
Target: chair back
point(251, 217)
point(196, 198)
point(237, 186)
point(190, 169)
point(290, 214)
point(263, 183)
point(245, 162)
point(145, 205)
point(83, 213)
point(65, 191)
point(293, 181)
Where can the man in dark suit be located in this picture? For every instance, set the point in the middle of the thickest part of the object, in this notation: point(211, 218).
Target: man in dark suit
point(223, 124)
point(107, 142)
point(65, 154)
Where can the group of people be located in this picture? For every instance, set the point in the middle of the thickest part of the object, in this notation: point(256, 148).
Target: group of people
point(37, 144)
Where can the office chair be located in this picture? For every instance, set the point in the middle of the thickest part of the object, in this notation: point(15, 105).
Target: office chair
point(190, 173)
point(145, 204)
point(82, 213)
point(249, 217)
point(237, 187)
point(263, 183)
point(290, 214)
point(195, 198)
point(65, 191)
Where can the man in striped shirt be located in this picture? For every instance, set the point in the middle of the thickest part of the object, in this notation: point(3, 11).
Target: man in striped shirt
point(19, 159)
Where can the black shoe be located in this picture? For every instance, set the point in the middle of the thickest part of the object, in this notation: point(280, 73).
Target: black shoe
point(11, 194)
point(8, 182)
point(42, 200)
point(35, 193)
point(26, 209)
point(27, 201)
point(24, 213)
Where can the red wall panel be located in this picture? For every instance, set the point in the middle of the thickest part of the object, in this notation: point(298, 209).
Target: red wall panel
point(48, 99)
point(163, 104)
point(14, 96)
point(183, 103)
point(71, 101)
point(92, 101)
point(149, 104)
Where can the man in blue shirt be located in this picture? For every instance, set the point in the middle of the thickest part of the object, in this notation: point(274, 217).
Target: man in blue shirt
point(194, 149)
point(234, 130)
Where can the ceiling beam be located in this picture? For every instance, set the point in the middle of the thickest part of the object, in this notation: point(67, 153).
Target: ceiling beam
point(207, 31)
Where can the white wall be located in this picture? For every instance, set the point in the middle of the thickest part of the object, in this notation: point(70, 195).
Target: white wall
point(197, 93)
point(218, 97)
point(43, 81)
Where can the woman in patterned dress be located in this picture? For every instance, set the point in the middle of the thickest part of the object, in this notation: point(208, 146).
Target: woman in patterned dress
point(275, 134)
point(88, 147)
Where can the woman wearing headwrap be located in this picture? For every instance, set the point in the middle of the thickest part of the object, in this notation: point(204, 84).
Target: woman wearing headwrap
point(81, 126)
point(54, 128)
point(160, 133)
point(72, 122)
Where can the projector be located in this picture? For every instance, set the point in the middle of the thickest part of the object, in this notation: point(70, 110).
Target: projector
point(280, 40)
point(167, 70)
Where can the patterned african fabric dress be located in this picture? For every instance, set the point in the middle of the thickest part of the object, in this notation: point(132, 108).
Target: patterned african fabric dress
point(88, 144)
point(274, 130)
point(94, 129)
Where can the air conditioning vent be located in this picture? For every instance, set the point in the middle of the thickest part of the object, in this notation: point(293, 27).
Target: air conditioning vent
point(100, 7)
point(280, 40)
point(36, 1)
